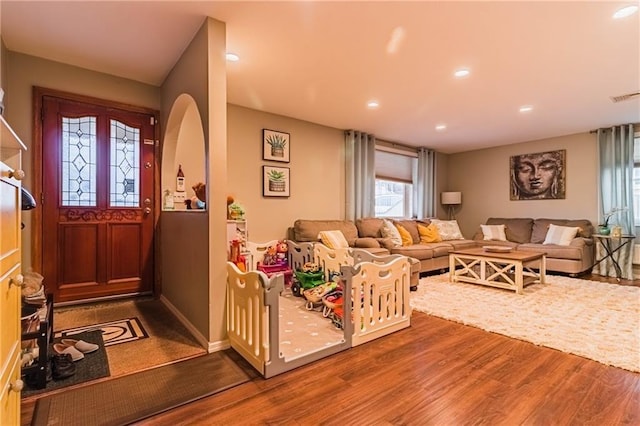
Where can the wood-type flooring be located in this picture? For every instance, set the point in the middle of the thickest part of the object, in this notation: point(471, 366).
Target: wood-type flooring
point(436, 372)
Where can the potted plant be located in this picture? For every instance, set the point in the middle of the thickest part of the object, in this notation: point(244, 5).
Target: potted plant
point(278, 143)
point(276, 181)
point(603, 228)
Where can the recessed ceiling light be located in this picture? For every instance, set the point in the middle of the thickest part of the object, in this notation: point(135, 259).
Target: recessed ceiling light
point(625, 11)
point(441, 127)
point(232, 57)
point(526, 108)
point(373, 104)
point(462, 72)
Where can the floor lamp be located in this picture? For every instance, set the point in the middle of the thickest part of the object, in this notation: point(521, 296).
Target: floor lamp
point(451, 199)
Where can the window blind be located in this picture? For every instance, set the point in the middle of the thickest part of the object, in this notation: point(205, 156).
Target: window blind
point(394, 167)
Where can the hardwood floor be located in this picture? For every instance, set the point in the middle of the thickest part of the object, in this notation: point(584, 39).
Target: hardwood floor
point(436, 372)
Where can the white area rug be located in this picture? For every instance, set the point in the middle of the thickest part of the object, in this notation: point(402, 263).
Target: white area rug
point(594, 320)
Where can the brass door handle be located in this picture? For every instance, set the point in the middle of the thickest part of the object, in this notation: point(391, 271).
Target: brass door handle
point(147, 210)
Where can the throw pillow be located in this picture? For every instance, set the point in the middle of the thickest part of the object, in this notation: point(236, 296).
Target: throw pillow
point(333, 239)
point(429, 233)
point(560, 235)
point(448, 229)
point(389, 230)
point(494, 232)
point(405, 236)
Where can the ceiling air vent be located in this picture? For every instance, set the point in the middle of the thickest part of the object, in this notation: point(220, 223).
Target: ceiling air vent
point(625, 97)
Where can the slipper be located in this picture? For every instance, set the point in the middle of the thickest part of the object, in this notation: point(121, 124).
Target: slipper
point(61, 349)
point(81, 345)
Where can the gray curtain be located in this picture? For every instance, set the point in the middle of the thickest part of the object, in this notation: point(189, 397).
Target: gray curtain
point(424, 184)
point(360, 149)
point(615, 148)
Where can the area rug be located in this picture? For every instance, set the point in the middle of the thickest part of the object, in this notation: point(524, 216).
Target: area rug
point(113, 332)
point(134, 397)
point(595, 320)
point(94, 365)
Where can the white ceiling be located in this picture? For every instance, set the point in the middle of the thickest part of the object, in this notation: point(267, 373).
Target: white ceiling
point(321, 61)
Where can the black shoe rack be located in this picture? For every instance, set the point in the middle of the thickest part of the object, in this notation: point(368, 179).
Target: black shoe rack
point(36, 373)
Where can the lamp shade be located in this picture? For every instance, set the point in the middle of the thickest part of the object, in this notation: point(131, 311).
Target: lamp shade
point(451, 198)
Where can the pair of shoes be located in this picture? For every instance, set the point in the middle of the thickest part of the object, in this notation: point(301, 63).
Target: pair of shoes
point(81, 345)
point(61, 349)
point(62, 366)
point(76, 348)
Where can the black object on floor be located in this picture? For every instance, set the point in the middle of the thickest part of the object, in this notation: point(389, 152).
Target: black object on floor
point(93, 366)
point(62, 366)
point(131, 398)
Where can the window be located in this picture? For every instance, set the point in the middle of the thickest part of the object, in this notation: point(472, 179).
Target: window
point(393, 199)
point(394, 182)
point(636, 179)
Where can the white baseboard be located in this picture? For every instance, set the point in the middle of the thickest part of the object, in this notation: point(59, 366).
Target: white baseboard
point(202, 340)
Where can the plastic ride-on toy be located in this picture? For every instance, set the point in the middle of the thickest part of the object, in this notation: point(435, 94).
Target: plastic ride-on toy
point(309, 277)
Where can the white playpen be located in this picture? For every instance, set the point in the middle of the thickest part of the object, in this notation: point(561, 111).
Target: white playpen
point(271, 329)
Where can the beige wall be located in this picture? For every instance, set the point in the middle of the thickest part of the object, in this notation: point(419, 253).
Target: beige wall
point(23, 72)
point(317, 171)
point(184, 249)
point(483, 178)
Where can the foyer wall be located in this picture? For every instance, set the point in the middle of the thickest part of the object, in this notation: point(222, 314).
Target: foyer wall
point(483, 178)
point(317, 171)
point(22, 72)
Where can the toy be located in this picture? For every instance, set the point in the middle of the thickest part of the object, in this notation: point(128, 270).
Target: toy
point(282, 249)
point(331, 301)
point(314, 295)
point(269, 257)
point(306, 280)
point(199, 200)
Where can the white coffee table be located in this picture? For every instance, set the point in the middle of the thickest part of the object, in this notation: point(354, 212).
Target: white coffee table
point(508, 270)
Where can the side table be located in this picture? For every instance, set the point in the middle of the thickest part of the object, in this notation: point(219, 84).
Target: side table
point(611, 246)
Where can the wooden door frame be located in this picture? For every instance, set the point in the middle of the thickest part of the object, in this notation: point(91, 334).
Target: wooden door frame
point(37, 170)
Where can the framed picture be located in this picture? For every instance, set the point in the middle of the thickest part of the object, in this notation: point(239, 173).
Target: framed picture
point(275, 181)
point(538, 176)
point(275, 145)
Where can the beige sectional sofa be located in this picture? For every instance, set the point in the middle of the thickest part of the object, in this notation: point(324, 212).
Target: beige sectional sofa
point(529, 234)
point(367, 233)
point(523, 233)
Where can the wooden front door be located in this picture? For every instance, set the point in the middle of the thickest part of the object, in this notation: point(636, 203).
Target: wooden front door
point(98, 203)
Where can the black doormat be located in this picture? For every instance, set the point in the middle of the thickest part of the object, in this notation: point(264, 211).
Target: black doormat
point(127, 399)
point(93, 366)
point(113, 332)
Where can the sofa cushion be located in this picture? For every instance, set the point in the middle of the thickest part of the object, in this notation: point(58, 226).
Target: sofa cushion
point(448, 229)
point(517, 230)
point(541, 227)
point(417, 251)
point(333, 239)
point(560, 235)
point(369, 227)
point(429, 233)
point(366, 242)
point(306, 230)
point(412, 227)
point(405, 236)
point(493, 232)
point(467, 244)
point(571, 252)
point(390, 231)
